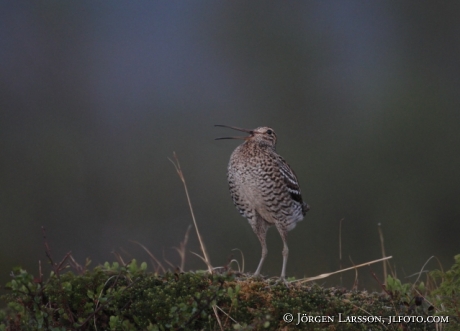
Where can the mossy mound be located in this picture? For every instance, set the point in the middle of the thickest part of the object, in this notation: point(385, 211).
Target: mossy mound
point(113, 297)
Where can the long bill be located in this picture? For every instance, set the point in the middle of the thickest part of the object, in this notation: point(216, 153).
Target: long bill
point(234, 128)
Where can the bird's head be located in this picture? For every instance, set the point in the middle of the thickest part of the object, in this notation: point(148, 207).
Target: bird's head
point(262, 135)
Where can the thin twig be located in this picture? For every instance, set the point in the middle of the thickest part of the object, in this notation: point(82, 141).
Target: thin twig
point(382, 247)
point(167, 261)
point(304, 280)
point(119, 259)
point(40, 273)
point(368, 313)
point(217, 316)
point(176, 165)
point(237, 263)
point(384, 288)
point(57, 269)
point(81, 270)
point(181, 249)
point(227, 314)
point(421, 271)
point(355, 283)
point(340, 248)
point(203, 259)
point(154, 259)
point(47, 248)
point(242, 259)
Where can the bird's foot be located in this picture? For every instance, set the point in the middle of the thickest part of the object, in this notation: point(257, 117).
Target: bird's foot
point(282, 280)
point(258, 276)
point(275, 281)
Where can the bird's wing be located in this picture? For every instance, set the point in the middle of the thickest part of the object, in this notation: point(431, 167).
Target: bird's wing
point(291, 180)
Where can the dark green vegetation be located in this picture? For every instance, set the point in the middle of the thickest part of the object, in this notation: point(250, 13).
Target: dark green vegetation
point(115, 297)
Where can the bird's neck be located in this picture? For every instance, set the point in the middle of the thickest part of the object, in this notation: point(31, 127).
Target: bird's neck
point(260, 145)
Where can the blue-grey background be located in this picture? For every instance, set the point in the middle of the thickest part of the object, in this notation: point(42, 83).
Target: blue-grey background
point(95, 96)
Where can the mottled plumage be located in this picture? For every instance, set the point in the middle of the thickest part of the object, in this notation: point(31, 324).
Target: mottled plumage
point(264, 188)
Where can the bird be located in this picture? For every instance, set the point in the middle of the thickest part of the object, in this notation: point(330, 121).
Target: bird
point(264, 188)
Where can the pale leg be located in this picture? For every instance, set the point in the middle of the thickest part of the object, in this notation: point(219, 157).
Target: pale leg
point(260, 229)
point(283, 235)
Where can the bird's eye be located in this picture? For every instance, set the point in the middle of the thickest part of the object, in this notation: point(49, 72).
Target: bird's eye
point(269, 131)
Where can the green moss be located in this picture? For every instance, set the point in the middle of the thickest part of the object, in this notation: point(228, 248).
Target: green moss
point(447, 296)
point(114, 297)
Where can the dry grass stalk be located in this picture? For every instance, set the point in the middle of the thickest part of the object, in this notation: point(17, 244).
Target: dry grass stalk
point(205, 257)
point(304, 280)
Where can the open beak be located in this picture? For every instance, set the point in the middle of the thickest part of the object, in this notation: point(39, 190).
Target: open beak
point(234, 128)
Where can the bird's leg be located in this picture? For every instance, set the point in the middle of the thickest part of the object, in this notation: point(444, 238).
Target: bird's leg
point(264, 254)
point(260, 228)
point(283, 235)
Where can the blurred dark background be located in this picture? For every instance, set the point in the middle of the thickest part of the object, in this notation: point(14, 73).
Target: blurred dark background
point(95, 96)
